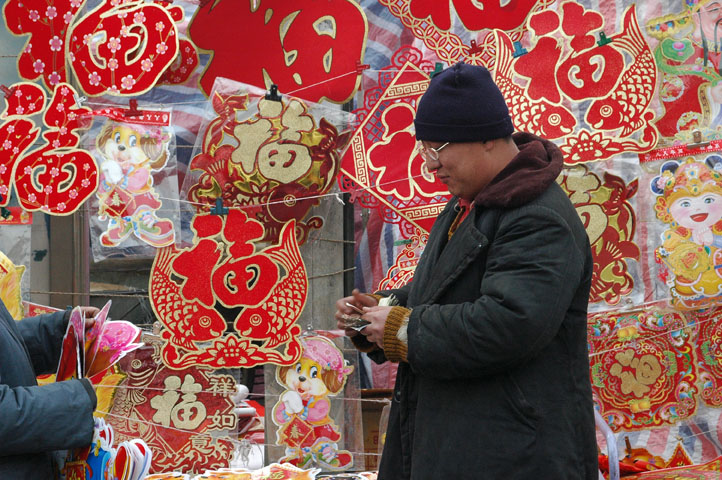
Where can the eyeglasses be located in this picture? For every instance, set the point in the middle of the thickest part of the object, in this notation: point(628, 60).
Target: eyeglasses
point(430, 154)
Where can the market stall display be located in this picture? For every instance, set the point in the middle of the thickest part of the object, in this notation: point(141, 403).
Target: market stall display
point(222, 184)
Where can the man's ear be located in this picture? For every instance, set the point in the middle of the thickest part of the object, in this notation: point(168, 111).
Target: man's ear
point(489, 145)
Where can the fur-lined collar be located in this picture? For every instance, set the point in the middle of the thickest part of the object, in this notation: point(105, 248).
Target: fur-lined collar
point(530, 173)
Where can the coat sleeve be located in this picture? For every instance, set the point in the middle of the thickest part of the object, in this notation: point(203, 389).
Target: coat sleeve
point(534, 267)
point(43, 336)
point(374, 353)
point(402, 294)
point(56, 416)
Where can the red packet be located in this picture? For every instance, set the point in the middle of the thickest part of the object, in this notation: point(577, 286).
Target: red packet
point(122, 465)
point(92, 335)
point(70, 364)
point(117, 338)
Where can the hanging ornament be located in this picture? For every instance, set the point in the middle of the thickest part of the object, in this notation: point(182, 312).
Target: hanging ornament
point(382, 167)
point(311, 47)
point(260, 292)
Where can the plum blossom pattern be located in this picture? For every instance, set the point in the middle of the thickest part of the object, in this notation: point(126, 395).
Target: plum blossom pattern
point(46, 25)
point(41, 176)
point(114, 73)
point(58, 26)
point(183, 66)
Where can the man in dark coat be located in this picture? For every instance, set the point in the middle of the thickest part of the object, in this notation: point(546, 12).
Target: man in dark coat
point(35, 421)
point(490, 335)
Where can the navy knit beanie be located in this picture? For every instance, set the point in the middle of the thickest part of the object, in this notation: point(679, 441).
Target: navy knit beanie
point(462, 104)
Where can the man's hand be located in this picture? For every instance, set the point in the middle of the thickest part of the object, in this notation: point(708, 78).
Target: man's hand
point(89, 314)
point(352, 305)
point(374, 332)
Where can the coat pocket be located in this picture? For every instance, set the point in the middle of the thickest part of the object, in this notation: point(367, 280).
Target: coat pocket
point(519, 404)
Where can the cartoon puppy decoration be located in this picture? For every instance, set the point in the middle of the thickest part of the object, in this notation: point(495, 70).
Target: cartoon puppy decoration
point(302, 412)
point(130, 154)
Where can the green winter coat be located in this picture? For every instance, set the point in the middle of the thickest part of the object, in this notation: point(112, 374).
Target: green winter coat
point(497, 380)
point(34, 420)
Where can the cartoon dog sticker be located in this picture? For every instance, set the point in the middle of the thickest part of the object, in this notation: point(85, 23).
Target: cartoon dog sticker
point(302, 412)
point(130, 154)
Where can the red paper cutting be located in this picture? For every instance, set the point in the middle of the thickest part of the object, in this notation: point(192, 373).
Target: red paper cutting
point(642, 368)
point(183, 66)
point(179, 413)
point(558, 74)
point(275, 164)
point(265, 291)
point(474, 15)
point(310, 46)
point(57, 177)
point(402, 271)
point(430, 21)
point(610, 221)
point(47, 23)
point(382, 167)
point(122, 48)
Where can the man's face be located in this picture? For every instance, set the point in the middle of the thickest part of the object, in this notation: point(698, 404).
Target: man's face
point(462, 167)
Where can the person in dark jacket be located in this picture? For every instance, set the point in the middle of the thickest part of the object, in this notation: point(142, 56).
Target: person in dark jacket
point(490, 335)
point(36, 421)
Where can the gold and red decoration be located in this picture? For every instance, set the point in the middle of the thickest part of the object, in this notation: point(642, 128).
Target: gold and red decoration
point(431, 22)
point(402, 271)
point(118, 47)
point(260, 293)
point(643, 368)
point(182, 415)
point(688, 58)
point(709, 353)
point(303, 411)
point(10, 292)
point(687, 196)
point(275, 164)
point(706, 471)
point(311, 47)
point(679, 458)
point(57, 177)
point(180, 71)
point(295, 432)
point(382, 168)
point(567, 67)
point(31, 309)
point(604, 206)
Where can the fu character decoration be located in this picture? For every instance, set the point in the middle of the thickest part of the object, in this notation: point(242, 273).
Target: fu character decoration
point(262, 293)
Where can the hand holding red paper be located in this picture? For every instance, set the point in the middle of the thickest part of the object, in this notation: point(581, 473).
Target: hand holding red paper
point(92, 343)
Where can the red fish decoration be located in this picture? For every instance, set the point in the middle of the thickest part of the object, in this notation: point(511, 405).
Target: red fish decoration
point(261, 294)
point(539, 117)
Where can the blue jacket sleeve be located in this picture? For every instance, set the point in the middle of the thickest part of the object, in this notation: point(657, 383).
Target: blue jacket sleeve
point(43, 337)
point(57, 416)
